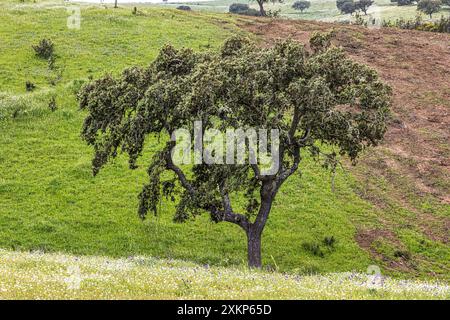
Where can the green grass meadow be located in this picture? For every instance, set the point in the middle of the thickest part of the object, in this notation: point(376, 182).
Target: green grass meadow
point(50, 202)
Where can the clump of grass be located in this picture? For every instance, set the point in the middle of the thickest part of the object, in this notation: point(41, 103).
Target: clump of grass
point(313, 248)
point(16, 106)
point(402, 254)
point(52, 104)
point(329, 241)
point(29, 86)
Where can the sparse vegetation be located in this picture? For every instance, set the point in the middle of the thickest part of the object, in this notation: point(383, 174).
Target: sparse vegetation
point(442, 25)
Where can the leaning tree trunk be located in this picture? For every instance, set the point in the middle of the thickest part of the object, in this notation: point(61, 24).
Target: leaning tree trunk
point(262, 12)
point(255, 229)
point(254, 247)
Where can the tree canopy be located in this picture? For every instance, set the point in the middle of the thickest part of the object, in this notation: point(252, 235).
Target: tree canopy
point(320, 101)
point(301, 5)
point(429, 6)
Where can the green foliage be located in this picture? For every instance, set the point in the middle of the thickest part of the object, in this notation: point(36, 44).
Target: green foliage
point(244, 9)
point(44, 49)
point(346, 6)
point(52, 104)
point(442, 25)
point(363, 5)
point(350, 6)
point(405, 2)
point(301, 5)
point(45, 167)
point(329, 241)
point(313, 248)
point(429, 6)
point(184, 8)
point(29, 86)
point(314, 99)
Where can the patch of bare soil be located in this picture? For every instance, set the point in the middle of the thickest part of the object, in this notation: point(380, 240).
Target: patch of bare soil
point(367, 238)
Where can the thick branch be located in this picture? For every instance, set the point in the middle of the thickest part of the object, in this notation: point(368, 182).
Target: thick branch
point(287, 172)
point(219, 215)
point(180, 174)
point(225, 197)
point(232, 217)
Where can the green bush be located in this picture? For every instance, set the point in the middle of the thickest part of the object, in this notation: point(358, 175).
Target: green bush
point(44, 49)
point(441, 26)
point(184, 8)
point(301, 5)
point(244, 9)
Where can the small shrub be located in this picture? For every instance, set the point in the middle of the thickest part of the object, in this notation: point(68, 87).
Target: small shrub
point(29, 86)
point(44, 49)
point(184, 8)
point(301, 5)
point(244, 9)
point(313, 248)
point(321, 41)
point(442, 25)
point(51, 62)
point(402, 254)
point(52, 104)
point(404, 2)
point(238, 8)
point(329, 241)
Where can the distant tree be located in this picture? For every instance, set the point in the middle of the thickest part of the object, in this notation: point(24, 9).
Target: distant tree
point(348, 7)
point(446, 2)
point(184, 8)
point(115, 4)
point(429, 6)
point(238, 8)
point(262, 11)
point(364, 5)
point(340, 3)
point(317, 100)
point(405, 2)
point(301, 5)
point(242, 8)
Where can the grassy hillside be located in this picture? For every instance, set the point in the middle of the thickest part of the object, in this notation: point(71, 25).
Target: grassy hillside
point(57, 276)
point(49, 200)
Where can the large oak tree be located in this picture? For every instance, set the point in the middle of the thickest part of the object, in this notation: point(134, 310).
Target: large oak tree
point(318, 99)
